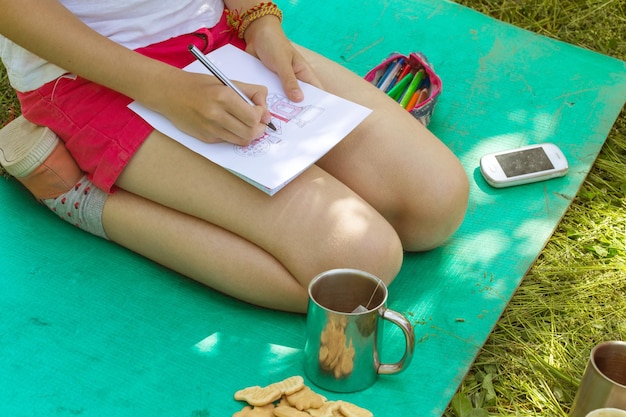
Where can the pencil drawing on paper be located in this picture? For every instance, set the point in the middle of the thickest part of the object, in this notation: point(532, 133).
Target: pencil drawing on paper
point(287, 111)
point(283, 111)
point(258, 146)
point(305, 131)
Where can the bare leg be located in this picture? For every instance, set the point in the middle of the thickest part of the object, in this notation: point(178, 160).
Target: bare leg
point(389, 183)
point(313, 224)
point(204, 252)
point(395, 163)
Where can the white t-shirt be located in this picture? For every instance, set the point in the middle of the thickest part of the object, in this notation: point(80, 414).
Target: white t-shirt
point(132, 23)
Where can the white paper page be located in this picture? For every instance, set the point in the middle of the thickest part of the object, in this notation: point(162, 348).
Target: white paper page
point(305, 130)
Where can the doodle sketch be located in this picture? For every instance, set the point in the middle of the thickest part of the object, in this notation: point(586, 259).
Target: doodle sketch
point(287, 111)
point(283, 111)
point(305, 131)
point(259, 146)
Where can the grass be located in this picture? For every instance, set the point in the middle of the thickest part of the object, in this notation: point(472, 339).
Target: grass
point(573, 297)
point(9, 106)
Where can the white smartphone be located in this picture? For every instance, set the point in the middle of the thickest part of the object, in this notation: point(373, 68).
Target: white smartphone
point(523, 165)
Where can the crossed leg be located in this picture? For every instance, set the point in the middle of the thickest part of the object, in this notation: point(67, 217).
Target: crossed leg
point(202, 251)
point(314, 224)
point(390, 185)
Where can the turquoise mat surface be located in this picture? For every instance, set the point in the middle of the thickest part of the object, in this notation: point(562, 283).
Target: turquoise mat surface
point(88, 328)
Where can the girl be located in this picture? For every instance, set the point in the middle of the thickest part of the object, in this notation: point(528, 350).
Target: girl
point(387, 187)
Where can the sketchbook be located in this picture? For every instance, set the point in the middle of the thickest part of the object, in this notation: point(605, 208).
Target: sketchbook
point(305, 131)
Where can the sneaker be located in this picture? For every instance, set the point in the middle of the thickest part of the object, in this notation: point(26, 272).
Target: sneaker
point(24, 146)
point(37, 158)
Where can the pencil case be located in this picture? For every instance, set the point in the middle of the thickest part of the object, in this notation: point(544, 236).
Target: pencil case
point(391, 73)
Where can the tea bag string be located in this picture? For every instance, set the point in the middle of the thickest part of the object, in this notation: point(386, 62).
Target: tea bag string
point(360, 308)
point(373, 293)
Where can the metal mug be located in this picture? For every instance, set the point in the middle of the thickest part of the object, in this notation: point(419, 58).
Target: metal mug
point(607, 412)
point(604, 381)
point(344, 331)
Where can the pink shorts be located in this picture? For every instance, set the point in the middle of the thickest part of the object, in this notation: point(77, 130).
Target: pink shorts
point(98, 128)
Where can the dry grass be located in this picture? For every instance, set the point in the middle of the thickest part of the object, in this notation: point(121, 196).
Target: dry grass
point(573, 297)
point(9, 106)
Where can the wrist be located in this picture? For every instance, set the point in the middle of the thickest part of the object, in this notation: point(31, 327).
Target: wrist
point(240, 22)
point(257, 29)
point(160, 88)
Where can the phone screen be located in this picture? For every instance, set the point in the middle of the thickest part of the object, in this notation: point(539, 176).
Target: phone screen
point(524, 162)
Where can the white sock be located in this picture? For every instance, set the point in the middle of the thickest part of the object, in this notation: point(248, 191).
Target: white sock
point(81, 206)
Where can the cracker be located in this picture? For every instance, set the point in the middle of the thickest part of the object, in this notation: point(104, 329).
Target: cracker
point(283, 411)
point(258, 396)
point(264, 411)
point(352, 410)
point(289, 385)
point(306, 398)
point(292, 398)
point(328, 409)
point(283, 401)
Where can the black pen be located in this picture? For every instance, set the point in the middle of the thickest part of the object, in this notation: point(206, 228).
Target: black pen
point(220, 76)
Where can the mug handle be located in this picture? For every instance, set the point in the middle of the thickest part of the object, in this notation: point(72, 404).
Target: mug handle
point(409, 336)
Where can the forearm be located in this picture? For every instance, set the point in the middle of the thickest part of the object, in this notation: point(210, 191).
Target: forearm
point(56, 35)
point(196, 103)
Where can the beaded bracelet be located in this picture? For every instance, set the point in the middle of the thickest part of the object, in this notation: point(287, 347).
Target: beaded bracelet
point(239, 23)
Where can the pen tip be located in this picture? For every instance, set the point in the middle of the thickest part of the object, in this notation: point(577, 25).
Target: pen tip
point(271, 126)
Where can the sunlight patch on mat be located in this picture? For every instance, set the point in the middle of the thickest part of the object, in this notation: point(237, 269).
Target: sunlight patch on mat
point(218, 343)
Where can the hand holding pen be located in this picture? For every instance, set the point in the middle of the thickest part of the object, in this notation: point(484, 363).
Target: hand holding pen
point(223, 79)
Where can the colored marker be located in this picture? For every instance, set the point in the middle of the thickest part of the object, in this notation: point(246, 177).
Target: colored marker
point(389, 77)
point(400, 74)
point(412, 101)
point(412, 88)
point(407, 68)
point(395, 74)
point(400, 86)
point(425, 82)
point(422, 96)
point(385, 74)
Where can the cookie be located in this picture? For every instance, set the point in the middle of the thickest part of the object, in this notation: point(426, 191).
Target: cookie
point(289, 385)
point(306, 398)
point(328, 409)
point(247, 411)
point(258, 396)
point(351, 410)
point(292, 398)
point(282, 411)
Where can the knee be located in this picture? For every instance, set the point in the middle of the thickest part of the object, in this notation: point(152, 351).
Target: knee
point(433, 214)
point(377, 250)
point(381, 254)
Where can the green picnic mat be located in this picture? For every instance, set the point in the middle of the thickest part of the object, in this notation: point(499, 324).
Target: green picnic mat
point(88, 328)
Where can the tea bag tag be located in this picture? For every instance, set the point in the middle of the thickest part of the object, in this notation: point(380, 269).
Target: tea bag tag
point(360, 309)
